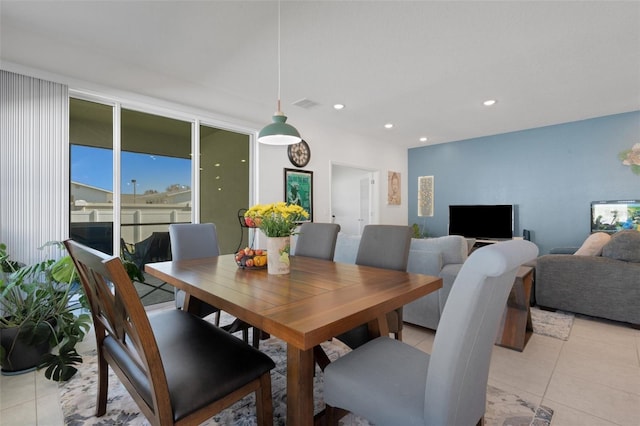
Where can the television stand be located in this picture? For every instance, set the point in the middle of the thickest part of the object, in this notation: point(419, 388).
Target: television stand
point(482, 243)
point(516, 327)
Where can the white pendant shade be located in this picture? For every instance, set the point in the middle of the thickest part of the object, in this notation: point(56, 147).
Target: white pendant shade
point(279, 140)
point(279, 132)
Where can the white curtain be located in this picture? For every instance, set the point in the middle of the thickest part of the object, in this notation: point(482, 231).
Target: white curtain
point(34, 165)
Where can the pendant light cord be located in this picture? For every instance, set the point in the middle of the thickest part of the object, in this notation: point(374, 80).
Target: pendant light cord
point(279, 132)
point(278, 55)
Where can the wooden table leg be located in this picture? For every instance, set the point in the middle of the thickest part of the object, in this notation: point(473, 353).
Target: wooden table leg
point(300, 366)
point(378, 327)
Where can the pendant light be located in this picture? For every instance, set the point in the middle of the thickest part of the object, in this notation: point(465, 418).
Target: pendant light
point(279, 132)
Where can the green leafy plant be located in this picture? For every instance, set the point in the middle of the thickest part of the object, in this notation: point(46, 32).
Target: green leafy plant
point(43, 301)
point(417, 232)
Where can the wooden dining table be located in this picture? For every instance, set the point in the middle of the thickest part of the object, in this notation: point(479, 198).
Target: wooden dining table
point(316, 301)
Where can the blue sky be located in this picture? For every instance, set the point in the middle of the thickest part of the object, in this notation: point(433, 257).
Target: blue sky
point(94, 166)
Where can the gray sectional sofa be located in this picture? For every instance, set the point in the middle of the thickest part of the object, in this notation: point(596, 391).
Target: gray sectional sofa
point(442, 257)
point(604, 284)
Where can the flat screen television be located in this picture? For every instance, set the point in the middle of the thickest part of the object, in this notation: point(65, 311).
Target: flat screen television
point(484, 222)
point(615, 215)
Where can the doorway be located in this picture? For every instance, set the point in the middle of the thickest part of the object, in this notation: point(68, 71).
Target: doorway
point(354, 193)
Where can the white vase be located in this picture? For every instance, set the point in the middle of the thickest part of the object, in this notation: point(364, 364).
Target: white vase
point(278, 255)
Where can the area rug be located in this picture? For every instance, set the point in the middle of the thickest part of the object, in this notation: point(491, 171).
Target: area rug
point(553, 324)
point(78, 398)
point(154, 291)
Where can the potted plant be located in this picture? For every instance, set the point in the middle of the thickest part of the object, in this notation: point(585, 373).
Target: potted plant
point(418, 231)
point(40, 315)
point(278, 221)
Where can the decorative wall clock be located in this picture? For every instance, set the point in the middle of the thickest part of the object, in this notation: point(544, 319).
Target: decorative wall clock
point(299, 154)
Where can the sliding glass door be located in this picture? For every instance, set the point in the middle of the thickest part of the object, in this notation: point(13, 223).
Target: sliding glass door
point(224, 184)
point(91, 186)
point(156, 183)
point(155, 180)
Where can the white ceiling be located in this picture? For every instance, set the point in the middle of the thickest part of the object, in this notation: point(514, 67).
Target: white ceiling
point(425, 66)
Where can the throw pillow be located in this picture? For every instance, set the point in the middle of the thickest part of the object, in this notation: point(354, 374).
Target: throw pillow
point(624, 245)
point(593, 245)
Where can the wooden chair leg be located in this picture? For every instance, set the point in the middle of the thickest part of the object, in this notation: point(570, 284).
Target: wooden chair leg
point(264, 403)
point(238, 325)
point(256, 337)
point(103, 385)
point(321, 357)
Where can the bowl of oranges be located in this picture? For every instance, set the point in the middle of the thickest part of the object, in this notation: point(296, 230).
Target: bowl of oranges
point(249, 258)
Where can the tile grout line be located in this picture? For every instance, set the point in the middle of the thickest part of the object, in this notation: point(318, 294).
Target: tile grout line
point(545, 408)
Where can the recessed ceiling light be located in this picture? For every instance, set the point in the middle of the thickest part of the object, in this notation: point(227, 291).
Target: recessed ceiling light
point(423, 139)
point(338, 106)
point(490, 102)
point(388, 126)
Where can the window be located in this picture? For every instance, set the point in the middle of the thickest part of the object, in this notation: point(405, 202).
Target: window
point(91, 186)
point(156, 181)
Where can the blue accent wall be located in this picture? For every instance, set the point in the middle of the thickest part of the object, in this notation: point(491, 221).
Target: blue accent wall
point(550, 174)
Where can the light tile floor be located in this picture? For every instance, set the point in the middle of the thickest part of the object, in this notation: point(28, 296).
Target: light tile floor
point(591, 379)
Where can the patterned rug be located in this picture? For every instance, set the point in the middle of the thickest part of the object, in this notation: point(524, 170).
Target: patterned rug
point(553, 324)
point(154, 290)
point(78, 398)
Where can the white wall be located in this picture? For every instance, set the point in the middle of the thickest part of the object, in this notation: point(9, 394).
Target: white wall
point(327, 146)
point(331, 146)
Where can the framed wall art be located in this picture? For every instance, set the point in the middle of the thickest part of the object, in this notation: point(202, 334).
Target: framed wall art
point(298, 189)
point(393, 188)
point(425, 196)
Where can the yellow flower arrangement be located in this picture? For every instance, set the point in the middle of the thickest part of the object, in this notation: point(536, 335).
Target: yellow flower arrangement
point(277, 219)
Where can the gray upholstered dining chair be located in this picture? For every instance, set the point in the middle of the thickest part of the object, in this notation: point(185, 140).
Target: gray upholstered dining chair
point(381, 246)
point(384, 380)
point(195, 241)
point(177, 367)
point(317, 240)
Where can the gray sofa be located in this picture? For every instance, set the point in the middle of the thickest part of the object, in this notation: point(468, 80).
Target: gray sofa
point(442, 257)
point(605, 286)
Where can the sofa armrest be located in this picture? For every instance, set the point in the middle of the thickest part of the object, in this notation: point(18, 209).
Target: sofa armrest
point(454, 248)
point(424, 311)
point(427, 262)
point(563, 250)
